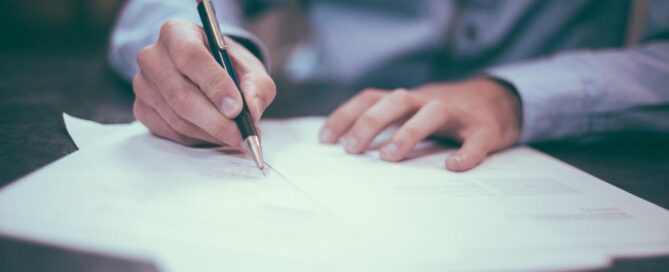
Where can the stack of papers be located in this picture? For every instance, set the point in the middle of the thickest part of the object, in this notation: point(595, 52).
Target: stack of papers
point(128, 192)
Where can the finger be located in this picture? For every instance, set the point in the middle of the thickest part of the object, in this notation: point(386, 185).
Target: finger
point(152, 120)
point(343, 117)
point(184, 98)
point(473, 151)
point(257, 86)
point(242, 59)
point(259, 92)
point(186, 47)
point(430, 118)
point(147, 92)
point(394, 106)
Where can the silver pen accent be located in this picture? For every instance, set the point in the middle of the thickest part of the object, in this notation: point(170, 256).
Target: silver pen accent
point(256, 150)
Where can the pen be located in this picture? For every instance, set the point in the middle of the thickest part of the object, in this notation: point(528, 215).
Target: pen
point(219, 50)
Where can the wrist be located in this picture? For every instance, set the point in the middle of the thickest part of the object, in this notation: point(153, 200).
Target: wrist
point(506, 98)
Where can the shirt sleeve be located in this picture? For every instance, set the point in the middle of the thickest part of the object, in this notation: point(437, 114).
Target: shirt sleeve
point(586, 93)
point(140, 21)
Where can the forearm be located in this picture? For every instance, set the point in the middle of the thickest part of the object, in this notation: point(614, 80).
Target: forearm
point(591, 92)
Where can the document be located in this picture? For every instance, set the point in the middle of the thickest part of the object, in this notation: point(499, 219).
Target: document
point(317, 208)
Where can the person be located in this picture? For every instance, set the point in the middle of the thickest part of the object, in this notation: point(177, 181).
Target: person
point(486, 73)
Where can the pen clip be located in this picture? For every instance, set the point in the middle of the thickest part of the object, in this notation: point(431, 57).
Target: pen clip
point(213, 22)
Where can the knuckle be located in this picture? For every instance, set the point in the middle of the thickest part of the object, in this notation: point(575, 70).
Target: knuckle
point(168, 27)
point(403, 96)
point(270, 86)
point(179, 100)
point(438, 107)
point(144, 56)
point(489, 132)
point(267, 82)
point(369, 92)
point(214, 84)
point(408, 132)
point(220, 132)
point(370, 95)
point(370, 120)
point(439, 111)
point(181, 126)
point(138, 111)
point(223, 133)
point(139, 85)
point(186, 53)
point(436, 104)
point(136, 82)
point(180, 59)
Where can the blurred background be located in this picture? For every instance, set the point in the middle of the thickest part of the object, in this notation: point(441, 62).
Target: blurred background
point(80, 26)
point(56, 24)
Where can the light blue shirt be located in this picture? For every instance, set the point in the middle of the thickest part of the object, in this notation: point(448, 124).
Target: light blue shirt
point(565, 58)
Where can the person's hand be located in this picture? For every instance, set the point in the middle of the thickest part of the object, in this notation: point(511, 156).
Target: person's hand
point(184, 95)
point(480, 113)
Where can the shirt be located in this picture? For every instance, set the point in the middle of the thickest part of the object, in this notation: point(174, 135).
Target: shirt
point(565, 59)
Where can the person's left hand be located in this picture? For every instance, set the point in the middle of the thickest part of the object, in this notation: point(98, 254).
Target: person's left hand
point(481, 113)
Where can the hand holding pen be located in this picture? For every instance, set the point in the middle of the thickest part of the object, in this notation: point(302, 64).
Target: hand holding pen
point(184, 95)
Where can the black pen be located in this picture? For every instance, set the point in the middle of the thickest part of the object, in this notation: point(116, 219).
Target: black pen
point(219, 50)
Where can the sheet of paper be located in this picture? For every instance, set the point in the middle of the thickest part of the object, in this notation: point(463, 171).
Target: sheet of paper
point(518, 199)
point(85, 133)
point(132, 193)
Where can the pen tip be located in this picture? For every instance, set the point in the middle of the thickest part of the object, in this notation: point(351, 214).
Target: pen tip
point(256, 151)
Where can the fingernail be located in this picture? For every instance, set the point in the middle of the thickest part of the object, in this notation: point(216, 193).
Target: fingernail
point(229, 107)
point(389, 150)
point(258, 105)
point(326, 135)
point(248, 88)
point(457, 159)
point(350, 144)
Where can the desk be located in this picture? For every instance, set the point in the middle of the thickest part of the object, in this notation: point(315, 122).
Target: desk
point(35, 88)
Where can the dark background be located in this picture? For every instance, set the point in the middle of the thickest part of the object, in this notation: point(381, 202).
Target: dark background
point(52, 60)
point(56, 25)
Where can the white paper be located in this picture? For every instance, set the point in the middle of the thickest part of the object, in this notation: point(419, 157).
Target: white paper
point(518, 199)
point(84, 132)
point(199, 210)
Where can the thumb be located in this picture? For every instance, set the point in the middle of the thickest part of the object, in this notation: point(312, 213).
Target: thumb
point(473, 151)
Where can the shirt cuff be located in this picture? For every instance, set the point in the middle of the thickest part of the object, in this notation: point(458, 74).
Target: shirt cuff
point(553, 96)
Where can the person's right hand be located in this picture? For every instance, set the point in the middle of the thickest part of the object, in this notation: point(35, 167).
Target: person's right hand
point(184, 95)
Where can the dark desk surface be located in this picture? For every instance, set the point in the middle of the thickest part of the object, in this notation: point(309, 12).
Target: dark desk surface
point(36, 88)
